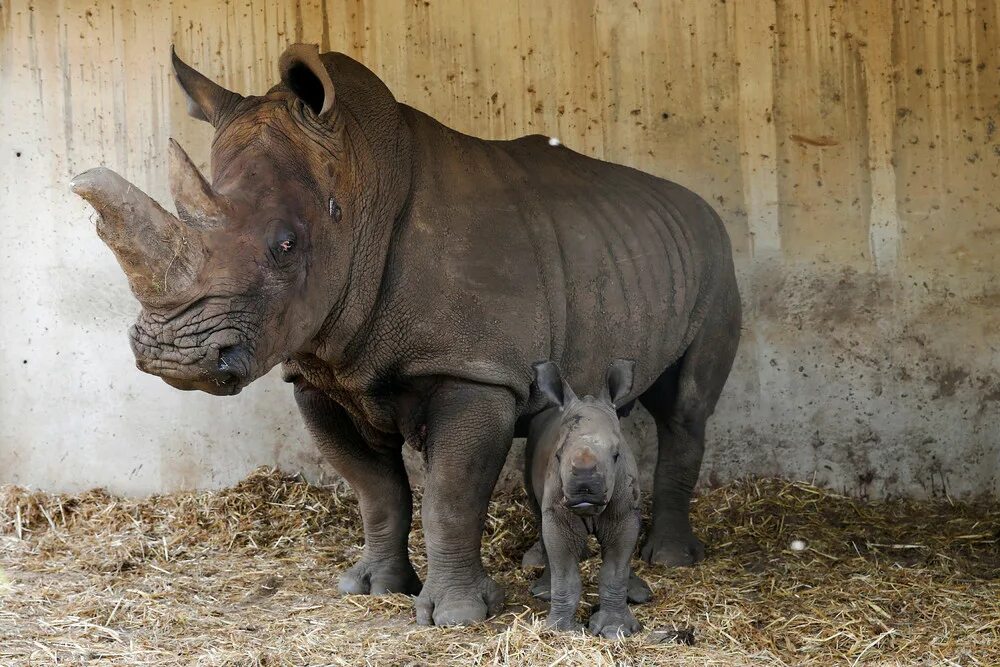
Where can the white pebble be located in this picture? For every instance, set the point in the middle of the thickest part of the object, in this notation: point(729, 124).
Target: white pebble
point(554, 141)
point(798, 545)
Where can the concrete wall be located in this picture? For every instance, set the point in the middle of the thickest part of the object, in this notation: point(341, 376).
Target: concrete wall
point(851, 147)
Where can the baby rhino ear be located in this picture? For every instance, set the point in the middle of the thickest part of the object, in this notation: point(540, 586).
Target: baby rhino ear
point(619, 381)
point(549, 381)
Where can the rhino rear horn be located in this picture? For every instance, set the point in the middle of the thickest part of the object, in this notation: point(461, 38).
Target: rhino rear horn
point(206, 100)
point(160, 256)
point(197, 204)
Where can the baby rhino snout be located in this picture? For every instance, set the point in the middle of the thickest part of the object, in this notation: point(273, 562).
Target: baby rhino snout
point(585, 489)
point(583, 461)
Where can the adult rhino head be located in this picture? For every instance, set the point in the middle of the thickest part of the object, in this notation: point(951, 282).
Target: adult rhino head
point(283, 251)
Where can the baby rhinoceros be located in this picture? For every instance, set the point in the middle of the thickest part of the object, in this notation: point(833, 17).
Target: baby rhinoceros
point(581, 479)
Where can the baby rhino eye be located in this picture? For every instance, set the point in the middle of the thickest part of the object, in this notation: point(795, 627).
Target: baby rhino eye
point(617, 454)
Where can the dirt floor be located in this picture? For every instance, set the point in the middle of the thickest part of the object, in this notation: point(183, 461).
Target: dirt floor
point(246, 576)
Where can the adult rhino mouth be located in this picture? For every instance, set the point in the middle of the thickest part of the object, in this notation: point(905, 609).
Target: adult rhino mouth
point(221, 371)
point(222, 387)
point(219, 363)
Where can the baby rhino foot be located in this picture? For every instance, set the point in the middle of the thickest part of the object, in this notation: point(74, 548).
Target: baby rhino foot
point(534, 557)
point(563, 623)
point(612, 624)
point(639, 591)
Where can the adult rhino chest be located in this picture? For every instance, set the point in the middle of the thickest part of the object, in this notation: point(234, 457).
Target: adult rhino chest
point(372, 409)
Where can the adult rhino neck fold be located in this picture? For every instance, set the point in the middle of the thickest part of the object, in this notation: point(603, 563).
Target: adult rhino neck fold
point(378, 139)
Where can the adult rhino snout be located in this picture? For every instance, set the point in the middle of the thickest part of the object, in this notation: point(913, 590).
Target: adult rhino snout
point(219, 369)
point(220, 372)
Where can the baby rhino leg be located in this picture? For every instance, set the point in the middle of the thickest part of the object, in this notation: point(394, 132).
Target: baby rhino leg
point(639, 591)
point(613, 617)
point(562, 549)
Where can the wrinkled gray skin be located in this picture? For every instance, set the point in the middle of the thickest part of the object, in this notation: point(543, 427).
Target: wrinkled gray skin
point(406, 276)
point(582, 480)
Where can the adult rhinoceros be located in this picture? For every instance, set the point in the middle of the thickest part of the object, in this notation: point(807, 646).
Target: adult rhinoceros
point(407, 276)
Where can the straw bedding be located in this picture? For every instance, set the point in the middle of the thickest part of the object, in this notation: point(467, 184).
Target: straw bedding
point(247, 576)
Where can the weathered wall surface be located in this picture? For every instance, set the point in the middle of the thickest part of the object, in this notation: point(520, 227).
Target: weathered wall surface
point(852, 148)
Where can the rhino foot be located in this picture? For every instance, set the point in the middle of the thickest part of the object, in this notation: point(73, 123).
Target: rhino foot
point(379, 577)
point(542, 588)
point(534, 557)
point(612, 624)
point(446, 603)
point(673, 550)
point(639, 591)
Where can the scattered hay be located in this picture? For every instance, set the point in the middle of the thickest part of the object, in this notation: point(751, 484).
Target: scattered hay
point(247, 576)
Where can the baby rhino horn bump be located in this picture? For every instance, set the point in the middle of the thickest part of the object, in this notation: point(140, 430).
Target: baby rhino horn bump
point(197, 204)
point(158, 256)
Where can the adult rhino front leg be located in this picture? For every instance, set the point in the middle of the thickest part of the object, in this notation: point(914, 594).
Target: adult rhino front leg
point(379, 479)
point(469, 432)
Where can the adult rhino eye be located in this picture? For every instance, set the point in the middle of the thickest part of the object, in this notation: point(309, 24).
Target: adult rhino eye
point(281, 243)
point(284, 243)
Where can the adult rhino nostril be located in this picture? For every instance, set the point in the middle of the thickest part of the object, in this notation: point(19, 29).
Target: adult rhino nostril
point(230, 364)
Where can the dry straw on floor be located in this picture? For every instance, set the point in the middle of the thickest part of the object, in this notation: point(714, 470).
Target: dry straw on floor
point(247, 576)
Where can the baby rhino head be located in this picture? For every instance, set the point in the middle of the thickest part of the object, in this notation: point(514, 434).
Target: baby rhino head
point(590, 438)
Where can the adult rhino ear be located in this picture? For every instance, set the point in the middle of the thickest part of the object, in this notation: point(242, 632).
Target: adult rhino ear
point(303, 73)
point(618, 382)
point(549, 381)
point(206, 100)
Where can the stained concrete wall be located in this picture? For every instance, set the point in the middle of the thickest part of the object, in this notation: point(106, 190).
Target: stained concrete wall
point(852, 149)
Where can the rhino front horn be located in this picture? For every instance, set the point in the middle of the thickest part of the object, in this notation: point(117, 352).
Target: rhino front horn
point(160, 255)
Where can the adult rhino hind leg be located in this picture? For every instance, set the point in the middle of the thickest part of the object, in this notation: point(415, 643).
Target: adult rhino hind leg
point(379, 479)
point(681, 401)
